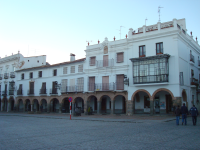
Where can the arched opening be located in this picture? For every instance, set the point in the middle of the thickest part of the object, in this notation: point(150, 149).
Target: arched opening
point(65, 105)
point(120, 104)
point(163, 102)
point(43, 106)
point(35, 105)
point(93, 104)
point(55, 105)
point(21, 106)
point(105, 105)
point(27, 105)
point(79, 103)
point(4, 104)
point(12, 104)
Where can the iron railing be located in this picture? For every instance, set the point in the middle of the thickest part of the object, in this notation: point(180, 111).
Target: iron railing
point(192, 58)
point(12, 74)
point(194, 81)
point(105, 63)
point(53, 91)
point(76, 88)
point(4, 93)
point(19, 92)
point(101, 87)
point(150, 79)
point(6, 75)
point(11, 92)
point(43, 91)
point(30, 92)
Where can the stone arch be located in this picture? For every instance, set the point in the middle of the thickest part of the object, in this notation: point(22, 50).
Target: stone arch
point(184, 95)
point(79, 102)
point(35, 105)
point(27, 105)
point(65, 105)
point(119, 104)
point(163, 89)
point(20, 105)
point(43, 105)
point(92, 103)
point(140, 90)
point(54, 105)
point(100, 98)
point(12, 103)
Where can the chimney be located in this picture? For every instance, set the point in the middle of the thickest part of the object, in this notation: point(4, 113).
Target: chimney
point(72, 57)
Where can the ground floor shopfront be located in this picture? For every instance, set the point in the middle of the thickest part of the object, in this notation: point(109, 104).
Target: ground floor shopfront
point(162, 101)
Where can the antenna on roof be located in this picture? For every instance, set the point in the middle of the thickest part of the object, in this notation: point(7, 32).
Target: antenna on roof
point(120, 31)
point(159, 12)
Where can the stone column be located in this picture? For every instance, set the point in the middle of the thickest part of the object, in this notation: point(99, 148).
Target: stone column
point(98, 107)
point(8, 106)
point(73, 111)
point(31, 107)
point(60, 107)
point(48, 107)
point(130, 107)
point(112, 106)
point(151, 107)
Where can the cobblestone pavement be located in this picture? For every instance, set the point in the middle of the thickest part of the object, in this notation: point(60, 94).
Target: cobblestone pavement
point(50, 131)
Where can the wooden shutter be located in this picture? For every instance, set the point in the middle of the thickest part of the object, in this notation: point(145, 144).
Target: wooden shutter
point(63, 85)
point(91, 83)
point(120, 57)
point(105, 60)
point(92, 61)
point(120, 82)
point(105, 83)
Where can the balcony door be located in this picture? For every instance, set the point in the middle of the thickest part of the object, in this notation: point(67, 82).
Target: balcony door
point(54, 89)
point(91, 83)
point(105, 60)
point(31, 84)
point(105, 83)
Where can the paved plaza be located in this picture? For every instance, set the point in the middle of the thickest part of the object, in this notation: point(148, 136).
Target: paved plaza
point(54, 131)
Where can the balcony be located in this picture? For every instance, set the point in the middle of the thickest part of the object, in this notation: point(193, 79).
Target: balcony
point(150, 79)
point(19, 92)
point(4, 93)
point(191, 58)
point(11, 92)
point(12, 75)
point(30, 92)
point(72, 89)
point(101, 87)
point(6, 75)
point(53, 91)
point(1, 76)
point(43, 91)
point(105, 63)
point(194, 81)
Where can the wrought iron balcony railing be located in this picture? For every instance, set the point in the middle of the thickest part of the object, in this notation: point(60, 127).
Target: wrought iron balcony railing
point(70, 89)
point(150, 79)
point(1, 76)
point(19, 92)
point(101, 87)
point(43, 91)
point(192, 58)
point(6, 75)
point(194, 81)
point(30, 92)
point(12, 74)
point(53, 91)
point(11, 92)
point(105, 63)
point(4, 93)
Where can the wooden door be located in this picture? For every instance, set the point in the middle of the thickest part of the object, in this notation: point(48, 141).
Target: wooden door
point(91, 83)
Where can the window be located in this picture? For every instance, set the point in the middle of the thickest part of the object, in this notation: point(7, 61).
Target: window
point(40, 74)
point(55, 72)
point(120, 57)
point(192, 72)
point(105, 60)
point(31, 75)
point(72, 69)
point(91, 83)
point(120, 82)
point(80, 84)
point(181, 78)
point(64, 85)
point(80, 68)
point(159, 48)
point(105, 83)
point(22, 76)
point(92, 61)
point(142, 51)
point(64, 70)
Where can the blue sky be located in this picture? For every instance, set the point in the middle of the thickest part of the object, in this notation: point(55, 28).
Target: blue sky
point(57, 28)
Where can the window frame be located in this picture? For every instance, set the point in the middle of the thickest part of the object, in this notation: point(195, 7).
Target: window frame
point(94, 61)
point(39, 74)
point(160, 48)
point(31, 75)
point(54, 72)
point(22, 76)
point(143, 51)
point(118, 56)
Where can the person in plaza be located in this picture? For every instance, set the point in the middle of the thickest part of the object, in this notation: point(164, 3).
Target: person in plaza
point(194, 113)
point(184, 112)
point(177, 112)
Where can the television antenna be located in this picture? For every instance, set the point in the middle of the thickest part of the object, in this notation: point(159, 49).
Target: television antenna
point(120, 31)
point(159, 12)
point(145, 21)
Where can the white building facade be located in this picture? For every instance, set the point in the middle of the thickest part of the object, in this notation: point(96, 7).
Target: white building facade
point(151, 71)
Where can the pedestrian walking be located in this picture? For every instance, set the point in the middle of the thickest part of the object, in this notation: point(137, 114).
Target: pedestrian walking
point(194, 113)
point(184, 112)
point(177, 112)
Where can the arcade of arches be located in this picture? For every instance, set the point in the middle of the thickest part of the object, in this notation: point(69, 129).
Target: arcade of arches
point(161, 101)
